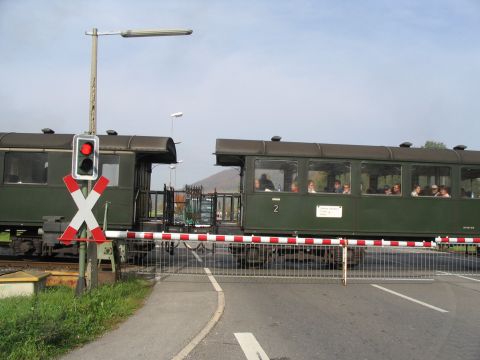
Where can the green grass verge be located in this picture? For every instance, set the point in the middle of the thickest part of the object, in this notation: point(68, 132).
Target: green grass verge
point(4, 237)
point(54, 321)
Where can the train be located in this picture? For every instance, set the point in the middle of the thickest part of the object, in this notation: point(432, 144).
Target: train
point(36, 206)
point(352, 191)
point(285, 189)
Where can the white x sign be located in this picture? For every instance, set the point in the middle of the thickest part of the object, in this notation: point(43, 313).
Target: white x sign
point(84, 213)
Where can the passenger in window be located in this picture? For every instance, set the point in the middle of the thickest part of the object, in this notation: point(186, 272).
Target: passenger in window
point(434, 190)
point(257, 185)
point(443, 192)
point(337, 187)
point(294, 187)
point(387, 190)
point(417, 190)
point(396, 190)
point(266, 184)
point(346, 189)
point(311, 187)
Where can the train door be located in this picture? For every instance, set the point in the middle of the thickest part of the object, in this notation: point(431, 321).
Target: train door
point(143, 171)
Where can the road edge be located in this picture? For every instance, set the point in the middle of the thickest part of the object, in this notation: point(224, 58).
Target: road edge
point(211, 323)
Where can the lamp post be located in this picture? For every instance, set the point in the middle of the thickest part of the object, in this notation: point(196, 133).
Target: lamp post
point(92, 129)
point(174, 168)
point(173, 116)
point(126, 34)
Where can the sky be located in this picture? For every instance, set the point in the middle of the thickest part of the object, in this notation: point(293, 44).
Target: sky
point(343, 72)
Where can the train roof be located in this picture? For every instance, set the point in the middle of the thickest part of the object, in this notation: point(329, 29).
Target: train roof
point(155, 148)
point(231, 152)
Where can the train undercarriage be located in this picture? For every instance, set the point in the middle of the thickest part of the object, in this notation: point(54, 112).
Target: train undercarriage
point(249, 255)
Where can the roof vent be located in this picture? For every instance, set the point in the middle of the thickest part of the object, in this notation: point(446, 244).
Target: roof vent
point(48, 131)
point(112, 132)
point(460, 147)
point(276, 138)
point(405, 144)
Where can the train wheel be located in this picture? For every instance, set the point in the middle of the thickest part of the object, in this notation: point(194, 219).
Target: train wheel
point(333, 258)
point(252, 256)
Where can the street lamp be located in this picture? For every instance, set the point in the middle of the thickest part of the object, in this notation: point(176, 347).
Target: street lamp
point(173, 116)
point(92, 129)
point(174, 168)
point(126, 34)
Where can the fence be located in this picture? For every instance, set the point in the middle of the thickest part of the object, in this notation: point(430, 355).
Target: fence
point(259, 256)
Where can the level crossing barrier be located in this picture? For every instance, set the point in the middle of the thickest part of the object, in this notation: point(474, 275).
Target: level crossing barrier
point(458, 256)
point(293, 257)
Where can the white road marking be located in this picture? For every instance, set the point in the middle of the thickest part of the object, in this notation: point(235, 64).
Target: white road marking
point(251, 347)
point(460, 276)
point(213, 280)
point(213, 321)
point(197, 257)
point(411, 299)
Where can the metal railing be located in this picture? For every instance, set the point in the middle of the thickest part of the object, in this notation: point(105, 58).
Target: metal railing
point(339, 259)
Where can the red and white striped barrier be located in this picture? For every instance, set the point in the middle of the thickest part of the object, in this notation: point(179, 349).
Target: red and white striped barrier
point(391, 243)
point(264, 239)
point(449, 240)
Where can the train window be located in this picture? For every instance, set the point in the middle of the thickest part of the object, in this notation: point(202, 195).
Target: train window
point(276, 175)
point(433, 180)
point(470, 183)
point(110, 168)
point(25, 168)
point(381, 179)
point(329, 177)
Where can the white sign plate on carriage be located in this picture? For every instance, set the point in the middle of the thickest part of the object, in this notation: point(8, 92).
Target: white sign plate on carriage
point(325, 211)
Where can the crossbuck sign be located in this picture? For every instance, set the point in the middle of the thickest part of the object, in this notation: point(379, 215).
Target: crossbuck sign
point(84, 213)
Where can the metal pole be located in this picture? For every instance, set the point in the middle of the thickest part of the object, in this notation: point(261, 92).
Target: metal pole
point(80, 288)
point(344, 263)
point(92, 129)
point(92, 257)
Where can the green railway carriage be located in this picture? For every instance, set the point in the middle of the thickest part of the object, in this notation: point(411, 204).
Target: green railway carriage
point(326, 190)
point(33, 195)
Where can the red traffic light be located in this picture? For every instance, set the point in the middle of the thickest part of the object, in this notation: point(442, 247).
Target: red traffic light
point(86, 148)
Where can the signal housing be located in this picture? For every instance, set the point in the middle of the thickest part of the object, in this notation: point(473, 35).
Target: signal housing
point(85, 157)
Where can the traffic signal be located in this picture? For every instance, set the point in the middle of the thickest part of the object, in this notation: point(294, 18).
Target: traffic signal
point(85, 157)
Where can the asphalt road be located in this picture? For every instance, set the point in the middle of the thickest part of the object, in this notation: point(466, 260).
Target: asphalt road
point(317, 320)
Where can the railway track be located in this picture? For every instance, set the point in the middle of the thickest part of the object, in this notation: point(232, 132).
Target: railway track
point(25, 264)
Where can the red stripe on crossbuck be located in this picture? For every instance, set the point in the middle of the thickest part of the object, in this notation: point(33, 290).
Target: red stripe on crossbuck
point(98, 235)
point(100, 185)
point(68, 235)
point(72, 185)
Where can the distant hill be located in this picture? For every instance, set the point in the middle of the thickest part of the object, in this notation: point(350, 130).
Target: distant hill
point(224, 181)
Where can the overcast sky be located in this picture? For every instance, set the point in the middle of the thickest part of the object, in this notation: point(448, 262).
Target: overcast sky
point(348, 72)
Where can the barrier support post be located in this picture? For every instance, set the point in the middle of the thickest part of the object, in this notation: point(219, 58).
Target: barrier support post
point(344, 262)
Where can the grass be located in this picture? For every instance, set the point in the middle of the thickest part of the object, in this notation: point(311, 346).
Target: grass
point(4, 237)
point(470, 249)
point(54, 321)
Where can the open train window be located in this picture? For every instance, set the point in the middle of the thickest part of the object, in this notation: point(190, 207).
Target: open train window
point(276, 175)
point(110, 168)
point(433, 180)
point(329, 177)
point(381, 179)
point(470, 183)
point(25, 168)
